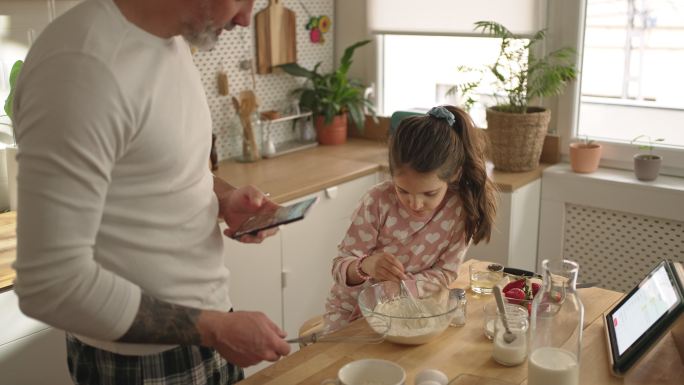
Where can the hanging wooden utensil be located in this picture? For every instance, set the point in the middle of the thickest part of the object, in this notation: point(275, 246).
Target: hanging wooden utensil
point(245, 107)
point(276, 36)
point(223, 88)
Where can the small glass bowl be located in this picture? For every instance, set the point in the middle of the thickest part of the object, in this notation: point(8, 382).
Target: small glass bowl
point(526, 303)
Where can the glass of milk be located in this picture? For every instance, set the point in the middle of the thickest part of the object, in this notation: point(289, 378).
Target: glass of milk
point(555, 337)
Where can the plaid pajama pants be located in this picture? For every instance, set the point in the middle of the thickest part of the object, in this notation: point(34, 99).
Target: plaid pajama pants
point(183, 365)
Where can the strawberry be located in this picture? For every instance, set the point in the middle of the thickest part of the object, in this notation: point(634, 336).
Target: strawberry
point(535, 288)
point(515, 295)
point(517, 284)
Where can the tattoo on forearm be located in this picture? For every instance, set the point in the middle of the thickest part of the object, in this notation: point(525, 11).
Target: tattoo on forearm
point(161, 322)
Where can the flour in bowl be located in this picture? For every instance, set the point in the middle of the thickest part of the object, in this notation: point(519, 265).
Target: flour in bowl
point(417, 330)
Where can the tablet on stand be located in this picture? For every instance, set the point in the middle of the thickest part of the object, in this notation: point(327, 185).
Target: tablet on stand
point(650, 311)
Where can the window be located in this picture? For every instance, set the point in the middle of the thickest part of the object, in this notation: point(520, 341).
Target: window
point(418, 71)
point(631, 82)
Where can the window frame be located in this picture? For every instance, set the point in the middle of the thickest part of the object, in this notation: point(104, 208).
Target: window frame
point(616, 154)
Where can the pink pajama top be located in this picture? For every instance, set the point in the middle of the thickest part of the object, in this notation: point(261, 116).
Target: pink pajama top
point(430, 248)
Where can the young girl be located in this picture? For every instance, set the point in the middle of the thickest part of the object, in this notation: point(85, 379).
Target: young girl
point(419, 224)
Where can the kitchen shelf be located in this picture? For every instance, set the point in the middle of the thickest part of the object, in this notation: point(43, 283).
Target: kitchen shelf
point(285, 147)
point(286, 118)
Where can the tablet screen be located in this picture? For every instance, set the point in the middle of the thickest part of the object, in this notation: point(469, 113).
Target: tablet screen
point(644, 308)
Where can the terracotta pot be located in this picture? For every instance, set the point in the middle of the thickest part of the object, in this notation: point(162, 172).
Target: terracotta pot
point(516, 140)
point(333, 133)
point(585, 158)
point(646, 166)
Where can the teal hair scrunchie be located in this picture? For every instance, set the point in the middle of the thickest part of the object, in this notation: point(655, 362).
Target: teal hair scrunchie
point(442, 113)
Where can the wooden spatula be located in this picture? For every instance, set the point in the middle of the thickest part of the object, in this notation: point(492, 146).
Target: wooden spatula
point(244, 107)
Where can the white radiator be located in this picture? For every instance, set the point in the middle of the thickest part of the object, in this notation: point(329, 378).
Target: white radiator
point(616, 227)
point(618, 248)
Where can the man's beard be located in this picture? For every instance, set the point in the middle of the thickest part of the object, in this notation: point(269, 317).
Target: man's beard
point(205, 39)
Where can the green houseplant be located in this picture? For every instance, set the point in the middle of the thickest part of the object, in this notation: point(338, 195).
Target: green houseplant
point(10, 151)
point(646, 165)
point(331, 96)
point(516, 129)
point(9, 102)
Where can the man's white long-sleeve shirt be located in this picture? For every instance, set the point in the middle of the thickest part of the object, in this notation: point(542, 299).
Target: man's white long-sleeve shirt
point(115, 194)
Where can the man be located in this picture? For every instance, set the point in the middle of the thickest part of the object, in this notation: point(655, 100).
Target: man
point(117, 233)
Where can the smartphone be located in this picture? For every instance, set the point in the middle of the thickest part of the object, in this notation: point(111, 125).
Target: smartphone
point(281, 216)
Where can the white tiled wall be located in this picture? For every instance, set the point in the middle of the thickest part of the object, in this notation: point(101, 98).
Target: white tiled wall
point(17, 17)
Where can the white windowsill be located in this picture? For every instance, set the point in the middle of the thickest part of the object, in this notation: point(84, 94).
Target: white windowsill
point(624, 177)
point(615, 190)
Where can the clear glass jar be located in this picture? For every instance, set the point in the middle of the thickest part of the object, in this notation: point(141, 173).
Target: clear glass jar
point(514, 352)
point(458, 296)
point(556, 327)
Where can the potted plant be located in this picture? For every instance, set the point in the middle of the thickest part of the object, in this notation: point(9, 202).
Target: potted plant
point(9, 102)
point(10, 151)
point(331, 96)
point(646, 165)
point(515, 129)
point(585, 155)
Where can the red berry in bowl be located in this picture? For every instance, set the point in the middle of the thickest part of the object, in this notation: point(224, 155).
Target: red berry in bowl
point(535, 288)
point(517, 284)
point(515, 295)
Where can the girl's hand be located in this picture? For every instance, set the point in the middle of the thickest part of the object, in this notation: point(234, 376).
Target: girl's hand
point(382, 266)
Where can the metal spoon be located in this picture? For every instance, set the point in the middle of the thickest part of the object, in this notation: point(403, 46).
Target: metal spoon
point(508, 337)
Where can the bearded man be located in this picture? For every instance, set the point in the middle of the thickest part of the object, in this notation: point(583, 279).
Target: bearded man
point(118, 241)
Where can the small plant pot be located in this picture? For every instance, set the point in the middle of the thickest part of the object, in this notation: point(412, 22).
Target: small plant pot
point(585, 158)
point(334, 133)
point(647, 166)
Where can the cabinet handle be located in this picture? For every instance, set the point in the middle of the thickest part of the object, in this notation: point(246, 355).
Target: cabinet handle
point(331, 192)
point(283, 278)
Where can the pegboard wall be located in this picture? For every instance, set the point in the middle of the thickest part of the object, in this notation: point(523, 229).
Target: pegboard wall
point(617, 249)
point(272, 90)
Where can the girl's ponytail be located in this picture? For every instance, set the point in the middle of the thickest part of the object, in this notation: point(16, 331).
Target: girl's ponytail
point(477, 192)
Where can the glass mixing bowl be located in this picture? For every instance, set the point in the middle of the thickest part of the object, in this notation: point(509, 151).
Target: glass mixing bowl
point(386, 309)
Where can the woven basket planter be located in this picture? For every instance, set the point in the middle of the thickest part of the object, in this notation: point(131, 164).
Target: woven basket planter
point(516, 140)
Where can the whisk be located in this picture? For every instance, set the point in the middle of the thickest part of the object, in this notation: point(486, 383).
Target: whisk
point(323, 337)
point(415, 309)
point(379, 326)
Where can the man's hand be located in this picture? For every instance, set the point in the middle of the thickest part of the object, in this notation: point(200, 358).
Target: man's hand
point(382, 266)
point(243, 338)
point(236, 206)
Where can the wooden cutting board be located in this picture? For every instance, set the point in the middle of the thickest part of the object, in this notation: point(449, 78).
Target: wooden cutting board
point(276, 36)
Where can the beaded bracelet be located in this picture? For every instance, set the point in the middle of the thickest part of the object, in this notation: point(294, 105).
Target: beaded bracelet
point(359, 271)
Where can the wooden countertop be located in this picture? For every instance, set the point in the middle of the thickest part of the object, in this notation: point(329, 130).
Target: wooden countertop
point(304, 172)
point(466, 350)
point(8, 246)
point(286, 177)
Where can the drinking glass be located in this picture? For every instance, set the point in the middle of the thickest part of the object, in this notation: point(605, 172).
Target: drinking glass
point(484, 275)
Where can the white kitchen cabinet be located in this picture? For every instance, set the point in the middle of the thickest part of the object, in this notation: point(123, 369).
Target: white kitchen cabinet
point(255, 276)
point(514, 237)
point(30, 351)
point(309, 247)
point(288, 275)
